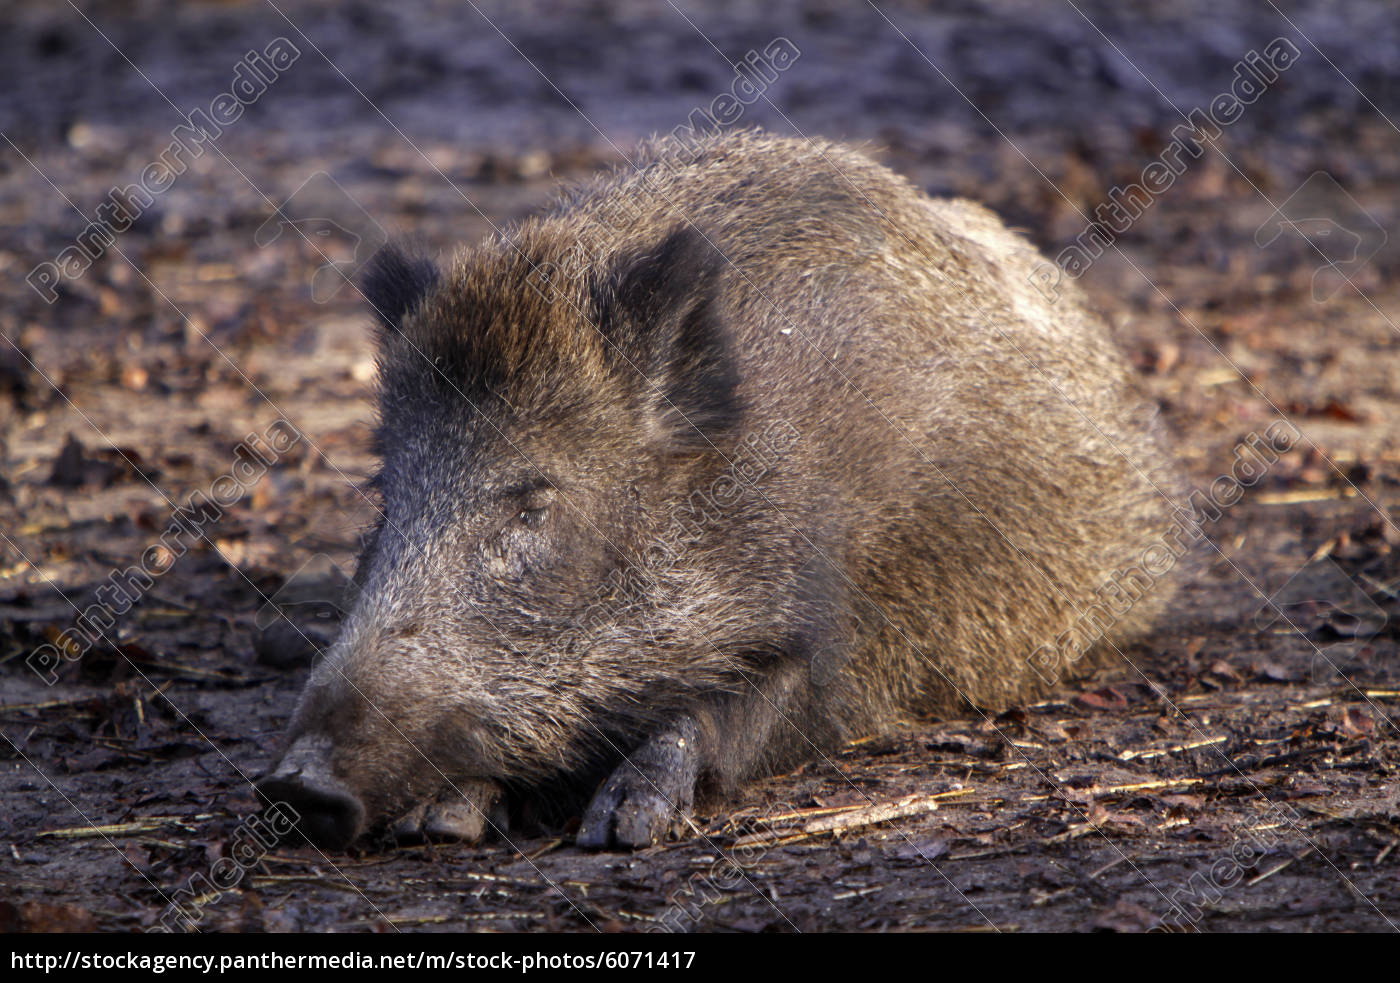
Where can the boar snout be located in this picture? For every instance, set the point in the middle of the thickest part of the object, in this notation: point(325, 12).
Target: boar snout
point(327, 812)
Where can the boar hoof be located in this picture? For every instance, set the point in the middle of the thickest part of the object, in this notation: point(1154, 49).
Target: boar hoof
point(464, 814)
point(647, 795)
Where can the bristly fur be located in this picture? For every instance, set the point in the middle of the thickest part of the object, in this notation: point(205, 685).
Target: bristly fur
point(657, 311)
point(593, 537)
point(640, 336)
point(394, 283)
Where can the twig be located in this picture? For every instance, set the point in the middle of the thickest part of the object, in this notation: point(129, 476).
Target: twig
point(16, 707)
point(862, 892)
point(1118, 789)
point(1270, 873)
point(984, 854)
point(1175, 749)
point(1109, 866)
point(909, 805)
point(270, 880)
point(1304, 495)
point(805, 814)
point(148, 824)
point(551, 845)
point(1144, 786)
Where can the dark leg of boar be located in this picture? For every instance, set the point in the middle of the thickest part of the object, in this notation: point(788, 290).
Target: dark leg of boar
point(653, 791)
point(648, 793)
point(468, 812)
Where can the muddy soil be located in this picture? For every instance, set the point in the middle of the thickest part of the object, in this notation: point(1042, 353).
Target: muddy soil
point(1240, 774)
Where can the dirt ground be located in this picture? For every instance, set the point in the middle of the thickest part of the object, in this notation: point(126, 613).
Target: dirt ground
point(1239, 775)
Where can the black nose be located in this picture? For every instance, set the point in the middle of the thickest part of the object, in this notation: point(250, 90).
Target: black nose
point(326, 813)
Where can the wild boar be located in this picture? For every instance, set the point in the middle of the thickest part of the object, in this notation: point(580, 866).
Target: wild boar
point(731, 456)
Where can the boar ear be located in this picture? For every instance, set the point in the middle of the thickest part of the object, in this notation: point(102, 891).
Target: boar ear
point(667, 319)
point(394, 283)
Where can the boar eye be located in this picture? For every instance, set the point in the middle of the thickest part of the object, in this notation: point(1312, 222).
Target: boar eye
point(531, 518)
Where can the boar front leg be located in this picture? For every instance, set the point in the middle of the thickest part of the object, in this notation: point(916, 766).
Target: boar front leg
point(728, 740)
point(650, 792)
point(465, 813)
